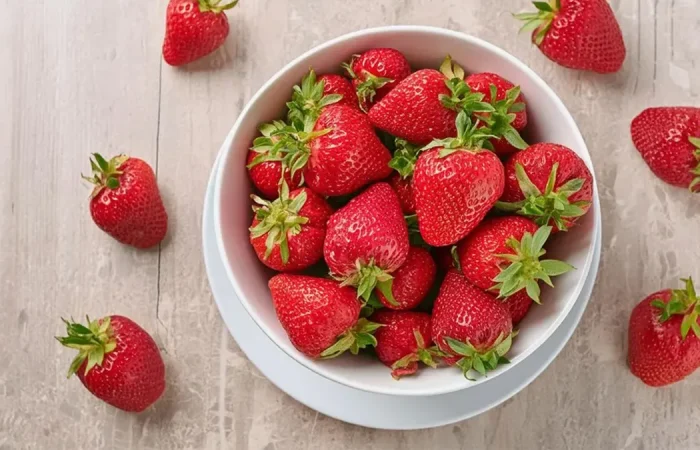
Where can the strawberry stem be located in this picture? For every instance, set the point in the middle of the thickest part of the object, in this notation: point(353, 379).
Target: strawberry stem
point(308, 99)
point(93, 342)
point(356, 338)
point(481, 361)
point(104, 173)
point(471, 136)
point(682, 302)
point(540, 21)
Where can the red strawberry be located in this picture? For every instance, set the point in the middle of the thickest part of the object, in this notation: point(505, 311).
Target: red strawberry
point(367, 240)
point(287, 234)
point(404, 163)
point(471, 325)
point(503, 255)
point(404, 340)
point(312, 95)
point(412, 280)
point(119, 362)
point(456, 183)
point(518, 304)
point(321, 318)
point(125, 202)
point(579, 34)
point(548, 183)
point(661, 348)
point(337, 84)
point(266, 176)
point(509, 115)
point(193, 29)
point(425, 104)
point(669, 141)
point(376, 72)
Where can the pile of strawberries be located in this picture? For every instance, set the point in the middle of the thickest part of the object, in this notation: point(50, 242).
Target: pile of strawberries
point(406, 213)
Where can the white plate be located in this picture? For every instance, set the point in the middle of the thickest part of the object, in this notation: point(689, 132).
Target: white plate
point(351, 405)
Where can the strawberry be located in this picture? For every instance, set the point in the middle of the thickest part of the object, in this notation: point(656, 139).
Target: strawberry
point(456, 182)
point(509, 115)
point(404, 163)
point(548, 183)
point(321, 318)
point(668, 139)
point(518, 304)
point(578, 34)
point(266, 174)
point(376, 72)
point(118, 362)
point(337, 84)
point(193, 29)
point(412, 280)
point(125, 202)
point(367, 240)
point(287, 234)
point(404, 340)
point(470, 325)
point(309, 98)
point(661, 348)
point(425, 104)
point(503, 255)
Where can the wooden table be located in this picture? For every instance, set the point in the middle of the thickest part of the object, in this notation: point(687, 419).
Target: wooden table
point(78, 77)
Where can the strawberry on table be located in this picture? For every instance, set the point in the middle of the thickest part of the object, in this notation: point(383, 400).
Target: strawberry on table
point(321, 317)
point(126, 202)
point(367, 240)
point(404, 340)
point(502, 255)
point(287, 234)
point(412, 280)
point(664, 336)
point(376, 72)
point(668, 138)
point(193, 29)
point(118, 362)
point(549, 184)
point(471, 326)
point(578, 34)
point(404, 162)
point(509, 116)
point(456, 182)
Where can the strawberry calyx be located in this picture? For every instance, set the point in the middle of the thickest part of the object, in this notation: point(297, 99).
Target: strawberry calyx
point(215, 6)
point(425, 355)
point(405, 158)
point(548, 206)
point(696, 170)
point(503, 115)
point(308, 99)
point(105, 173)
point(367, 278)
point(525, 269)
point(481, 361)
point(369, 83)
point(683, 302)
point(471, 136)
point(278, 220)
point(540, 20)
point(93, 342)
point(461, 97)
point(358, 337)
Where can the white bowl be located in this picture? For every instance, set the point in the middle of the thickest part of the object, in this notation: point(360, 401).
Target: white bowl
point(424, 47)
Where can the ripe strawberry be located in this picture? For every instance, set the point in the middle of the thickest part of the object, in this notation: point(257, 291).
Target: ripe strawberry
point(548, 183)
point(309, 98)
point(518, 304)
point(412, 280)
point(456, 182)
point(367, 240)
point(425, 104)
point(337, 84)
point(503, 255)
point(579, 34)
point(193, 29)
point(119, 362)
point(125, 202)
point(471, 325)
point(287, 234)
point(376, 72)
point(669, 141)
point(509, 115)
point(404, 340)
point(404, 163)
point(321, 318)
point(661, 350)
point(266, 174)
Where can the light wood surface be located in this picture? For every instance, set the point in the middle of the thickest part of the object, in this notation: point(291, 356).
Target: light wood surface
point(78, 77)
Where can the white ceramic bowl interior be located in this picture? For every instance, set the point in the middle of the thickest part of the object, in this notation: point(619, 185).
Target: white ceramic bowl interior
point(425, 47)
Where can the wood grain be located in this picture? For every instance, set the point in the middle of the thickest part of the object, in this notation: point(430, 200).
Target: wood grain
point(79, 77)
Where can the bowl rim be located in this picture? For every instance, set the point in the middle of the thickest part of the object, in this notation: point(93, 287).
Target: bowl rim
point(225, 153)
